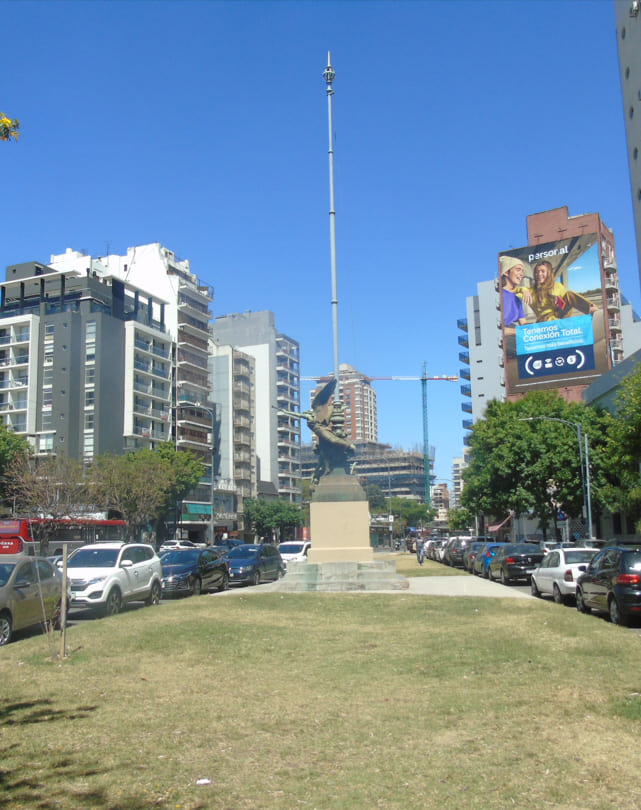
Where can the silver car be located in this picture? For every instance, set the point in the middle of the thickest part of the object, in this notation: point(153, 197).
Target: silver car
point(22, 581)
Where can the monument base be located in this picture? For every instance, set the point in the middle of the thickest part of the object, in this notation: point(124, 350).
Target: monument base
point(339, 577)
point(340, 532)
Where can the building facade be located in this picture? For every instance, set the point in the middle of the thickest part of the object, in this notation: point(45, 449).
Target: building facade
point(85, 362)
point(186, 317)
point(233, 384)
point(359, 403)
point(277, 390)
point(628, 22)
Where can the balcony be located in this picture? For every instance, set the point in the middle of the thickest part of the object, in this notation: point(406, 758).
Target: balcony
point(613, 303)
point(464, 374)
point(466, 407)
point(614, 324)
point(463, 341)
point(466, 390)
point(462, 324)
point(611, 281)
point(467, 424)
point(464, 357)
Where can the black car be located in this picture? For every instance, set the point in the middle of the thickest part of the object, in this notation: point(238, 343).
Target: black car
point(253, 564)
point(454, 551)
point(612, 584)
point(191, 571)
point(514, 561)
point(470, 553)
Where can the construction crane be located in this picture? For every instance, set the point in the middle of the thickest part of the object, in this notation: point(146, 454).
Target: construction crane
point(424, 380)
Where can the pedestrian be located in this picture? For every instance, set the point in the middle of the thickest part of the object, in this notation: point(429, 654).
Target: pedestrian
point(420, 549)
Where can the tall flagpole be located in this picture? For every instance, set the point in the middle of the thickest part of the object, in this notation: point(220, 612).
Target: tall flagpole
point(329, 74)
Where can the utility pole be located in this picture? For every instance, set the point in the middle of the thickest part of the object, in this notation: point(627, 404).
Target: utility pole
point(329, 74)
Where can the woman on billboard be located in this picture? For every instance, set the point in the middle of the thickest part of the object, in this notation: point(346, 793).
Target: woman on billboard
point(551, 300)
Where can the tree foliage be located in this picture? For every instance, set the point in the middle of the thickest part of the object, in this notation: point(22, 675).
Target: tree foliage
point(267, 518)
point(142, 485)
point(9, 128)
point(51, 487)
point(525, 458)
point(621, 488)
point(460, 519)
point(11, 445)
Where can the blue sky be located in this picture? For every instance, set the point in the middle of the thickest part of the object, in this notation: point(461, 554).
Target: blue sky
point(203, 126)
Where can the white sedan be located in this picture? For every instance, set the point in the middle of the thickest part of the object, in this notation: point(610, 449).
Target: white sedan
point(558, 572)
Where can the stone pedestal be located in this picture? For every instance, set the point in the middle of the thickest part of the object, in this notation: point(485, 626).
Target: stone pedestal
point(342, 577)
point(339, 518)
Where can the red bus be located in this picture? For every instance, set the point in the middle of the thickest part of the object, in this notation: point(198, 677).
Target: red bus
point(17, 535)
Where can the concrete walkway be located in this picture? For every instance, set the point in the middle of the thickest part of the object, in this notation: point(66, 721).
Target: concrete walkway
point(464, 585)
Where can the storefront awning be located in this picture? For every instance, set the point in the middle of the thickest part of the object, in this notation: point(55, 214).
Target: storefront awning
point(496, 526)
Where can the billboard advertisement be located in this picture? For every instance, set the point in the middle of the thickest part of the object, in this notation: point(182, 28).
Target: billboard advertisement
point(552, 314)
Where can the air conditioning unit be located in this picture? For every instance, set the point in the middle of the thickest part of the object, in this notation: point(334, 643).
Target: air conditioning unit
point(635, 5)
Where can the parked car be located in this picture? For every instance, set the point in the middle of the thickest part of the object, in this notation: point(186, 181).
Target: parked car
point(190, 571)
point(612, 584)
point(454, 550)
point(481, 563)
point(470, 552)
point(252, 564)
point(170, 545)
point(514, 561)
point(105, 575)
point(558, 572)
point(294, 550)
point(22, 579)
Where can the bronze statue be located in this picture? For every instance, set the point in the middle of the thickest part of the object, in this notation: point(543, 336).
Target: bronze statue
point(327, 421)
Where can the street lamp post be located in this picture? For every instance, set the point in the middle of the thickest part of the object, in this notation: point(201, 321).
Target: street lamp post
point(584, 459)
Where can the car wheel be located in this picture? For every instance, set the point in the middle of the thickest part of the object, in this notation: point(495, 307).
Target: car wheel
point(557, 595)
point(534, 590)
point(580, 604)
point(256, 578)
point(224, 583)
point(616, 617)
point(113, 603)
point(196, 586)
point(6, 627)
point(504, 578)
point(155, 595)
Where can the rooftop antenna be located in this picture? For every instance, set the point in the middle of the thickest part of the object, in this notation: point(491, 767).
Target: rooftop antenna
point(329, 74)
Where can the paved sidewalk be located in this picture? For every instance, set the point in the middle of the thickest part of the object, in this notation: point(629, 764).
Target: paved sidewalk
point(465, 585)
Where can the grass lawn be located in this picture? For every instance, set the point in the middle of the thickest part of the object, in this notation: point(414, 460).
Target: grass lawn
point(326, 701)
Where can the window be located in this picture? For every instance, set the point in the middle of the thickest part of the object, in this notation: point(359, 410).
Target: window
point(90, 375)
point(90, 399)
point(89, 420)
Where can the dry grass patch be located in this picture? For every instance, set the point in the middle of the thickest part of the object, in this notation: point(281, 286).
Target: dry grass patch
point(325, 701)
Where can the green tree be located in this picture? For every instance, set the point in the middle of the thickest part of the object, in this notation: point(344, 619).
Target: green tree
point(136, 485)
point(460, 520)
point(378, 502)
point(11, 445)
point(9, 128)
point(269, 518)
point(185, 470)
point(533, 466)
point(621, 488)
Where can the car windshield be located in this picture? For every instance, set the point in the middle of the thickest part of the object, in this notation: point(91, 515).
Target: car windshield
point(179, 557)
point(290, 548)
point(94, 558)
point(581, 556)
point(632, 561)
point(243, 551)
point(5, 572)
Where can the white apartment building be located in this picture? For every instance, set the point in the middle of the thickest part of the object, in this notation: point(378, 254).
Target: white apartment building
point(277, 389)
point(181, 375)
